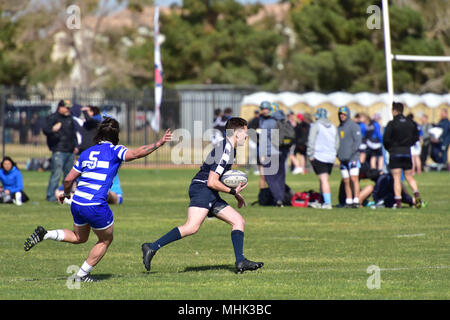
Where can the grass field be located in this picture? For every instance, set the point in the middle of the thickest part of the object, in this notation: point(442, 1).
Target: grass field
point(308, 254)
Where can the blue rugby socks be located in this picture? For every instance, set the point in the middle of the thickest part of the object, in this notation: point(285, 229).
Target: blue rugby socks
point(171, 236)
point(237, 237)
point(326, 198)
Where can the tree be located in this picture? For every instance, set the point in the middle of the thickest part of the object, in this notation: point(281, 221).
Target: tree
point(337, 51)
point(210, 41)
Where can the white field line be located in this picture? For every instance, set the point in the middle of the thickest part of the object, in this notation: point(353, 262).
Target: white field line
point(120, 276)
point(411, 235)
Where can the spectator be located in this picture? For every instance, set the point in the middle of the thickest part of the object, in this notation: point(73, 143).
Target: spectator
point(35, 126)
point(253, 126)
point(383, 190)
point(218, 126)
point(323, 143)
point(426, 143)
point(24, 129)
point(348, 154)
point(263, 146)
point(360, 119)
point(92, 120)
point(295, 164)
point(416, 149)
point(227, 114)
point(115, 193)
point(61, 140)
point(273, 157)
point(400, 134)
point(12, 183)
point(444, 140)
point(302, 133)
point(374, 138)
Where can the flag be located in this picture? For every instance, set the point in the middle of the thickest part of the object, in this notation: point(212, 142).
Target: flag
point(158, 74)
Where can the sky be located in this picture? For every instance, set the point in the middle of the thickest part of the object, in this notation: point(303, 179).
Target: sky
point(169, 2)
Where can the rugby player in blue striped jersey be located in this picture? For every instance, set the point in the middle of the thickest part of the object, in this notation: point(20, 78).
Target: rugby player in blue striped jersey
point(206, 201)
point(96, 167)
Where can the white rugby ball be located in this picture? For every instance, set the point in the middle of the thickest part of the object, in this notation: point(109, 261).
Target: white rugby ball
point(232, 178)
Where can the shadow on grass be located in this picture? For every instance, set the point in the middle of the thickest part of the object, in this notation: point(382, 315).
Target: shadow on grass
point(227, 267)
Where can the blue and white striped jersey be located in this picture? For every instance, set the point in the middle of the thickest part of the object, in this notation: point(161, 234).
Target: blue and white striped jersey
point(98, 166)
point(219, 160)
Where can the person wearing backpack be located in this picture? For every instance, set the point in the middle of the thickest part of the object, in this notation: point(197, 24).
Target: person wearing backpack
point(274, 152)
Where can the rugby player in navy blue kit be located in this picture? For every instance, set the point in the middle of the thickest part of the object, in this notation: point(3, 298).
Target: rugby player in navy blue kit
point(97, 166)
point(400, 134)
point(206, 201)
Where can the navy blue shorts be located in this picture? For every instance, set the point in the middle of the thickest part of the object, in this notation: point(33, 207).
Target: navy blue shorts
point(203, 197)
point(98, 217)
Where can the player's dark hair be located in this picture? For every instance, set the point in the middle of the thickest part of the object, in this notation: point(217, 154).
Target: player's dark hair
point(398, 106)
point(233, 124)
point(108, 130)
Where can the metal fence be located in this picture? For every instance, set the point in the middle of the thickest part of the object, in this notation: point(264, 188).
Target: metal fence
point(23, 111)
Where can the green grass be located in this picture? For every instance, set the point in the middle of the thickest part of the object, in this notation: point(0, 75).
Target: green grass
point(308, 254)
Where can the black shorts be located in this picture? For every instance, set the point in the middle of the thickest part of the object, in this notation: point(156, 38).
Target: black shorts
point(321, 167)
point(204, 197)
point(300, 149)
point(374, 152)
point(400, 161)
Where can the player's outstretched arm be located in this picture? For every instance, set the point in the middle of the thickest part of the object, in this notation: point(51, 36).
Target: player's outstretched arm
point(144, 151)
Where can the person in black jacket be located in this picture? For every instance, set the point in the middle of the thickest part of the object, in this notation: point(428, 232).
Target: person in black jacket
point(89, 129)
point(400, 134)
point(61, 140)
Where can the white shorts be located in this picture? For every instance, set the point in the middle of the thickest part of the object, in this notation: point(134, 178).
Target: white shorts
point(416, 149)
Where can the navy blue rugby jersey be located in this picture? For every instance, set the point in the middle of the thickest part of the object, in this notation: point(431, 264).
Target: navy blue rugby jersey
point(219, 160)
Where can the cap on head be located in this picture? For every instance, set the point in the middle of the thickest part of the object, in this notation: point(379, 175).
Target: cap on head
point(265, 105)
point(300, 117)
point(64, 103)
point(321, 113)
point(274, 107)
point(345, 110)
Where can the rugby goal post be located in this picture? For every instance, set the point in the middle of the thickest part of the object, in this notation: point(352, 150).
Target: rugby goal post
point(399, 57)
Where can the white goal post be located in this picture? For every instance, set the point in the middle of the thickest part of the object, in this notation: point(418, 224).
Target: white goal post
point(389, 56)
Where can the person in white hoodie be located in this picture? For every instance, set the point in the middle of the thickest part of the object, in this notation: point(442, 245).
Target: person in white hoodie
point(323, 143)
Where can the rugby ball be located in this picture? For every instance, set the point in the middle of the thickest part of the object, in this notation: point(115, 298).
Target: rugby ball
point(232, 178)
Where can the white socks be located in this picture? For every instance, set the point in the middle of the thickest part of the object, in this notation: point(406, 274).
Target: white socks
point(84, 270)
point(57, 235)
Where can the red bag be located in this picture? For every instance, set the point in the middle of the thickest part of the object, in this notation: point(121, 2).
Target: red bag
point(300, 199)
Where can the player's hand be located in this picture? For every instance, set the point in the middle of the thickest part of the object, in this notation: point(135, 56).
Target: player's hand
point(240, 200)
point(241, 187)
point(167, 137)
point(61, 198)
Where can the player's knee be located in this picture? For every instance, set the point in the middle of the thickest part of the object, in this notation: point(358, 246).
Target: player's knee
point(239, 224)
point(188, 230)
point(81, 239)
